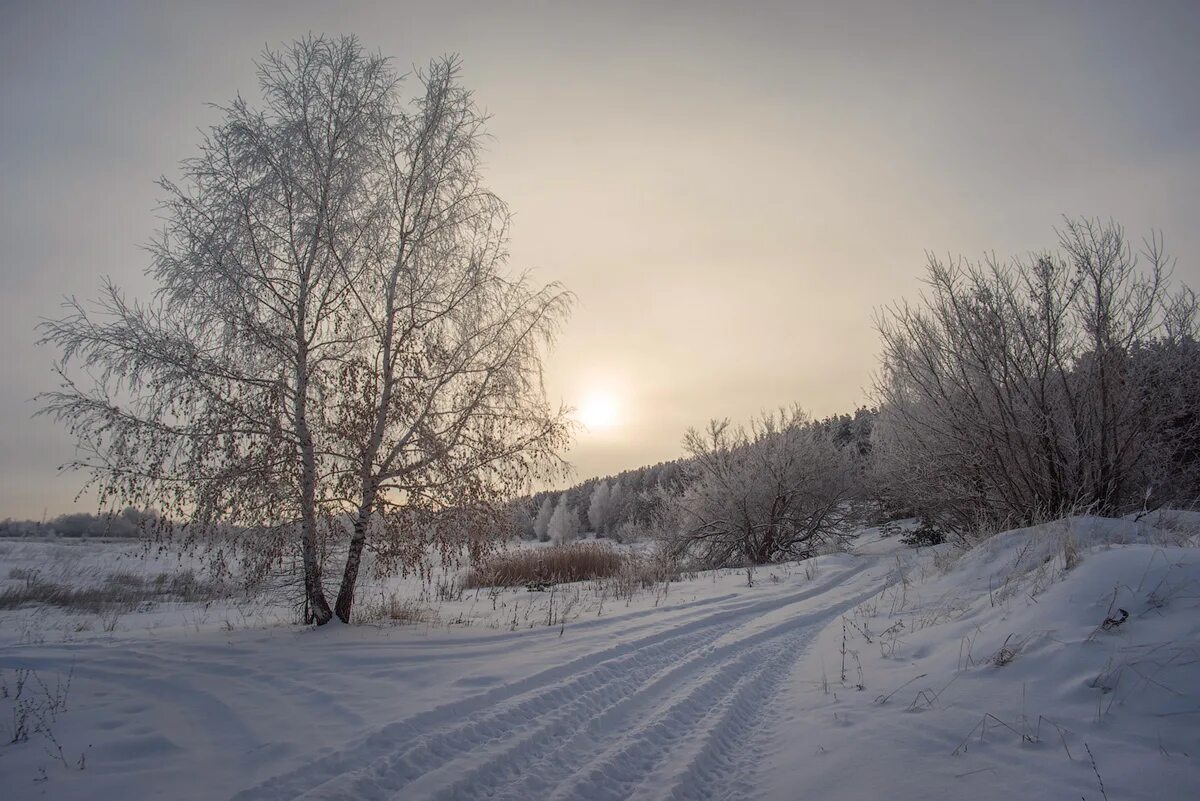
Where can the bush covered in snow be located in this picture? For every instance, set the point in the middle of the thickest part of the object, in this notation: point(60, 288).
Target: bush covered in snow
point(1017, 392)
point(773, 491)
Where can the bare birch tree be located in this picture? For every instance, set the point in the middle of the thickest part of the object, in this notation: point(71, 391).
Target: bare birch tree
point(333, 337)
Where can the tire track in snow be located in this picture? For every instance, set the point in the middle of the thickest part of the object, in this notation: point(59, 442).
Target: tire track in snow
point(402, 752)
point(531, 770)
point(630, 759)
point(675, 696)
point(723, 767)
point(525, 726)
point(532, 721)
point(737, 690)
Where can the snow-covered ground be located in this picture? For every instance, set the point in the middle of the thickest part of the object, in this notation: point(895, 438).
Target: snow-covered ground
point(888, 673)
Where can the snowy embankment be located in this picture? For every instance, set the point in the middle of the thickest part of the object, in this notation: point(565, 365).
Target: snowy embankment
point(888, 673)
point(994, 674)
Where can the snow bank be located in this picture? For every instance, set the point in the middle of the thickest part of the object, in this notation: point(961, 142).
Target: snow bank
point(994, 675)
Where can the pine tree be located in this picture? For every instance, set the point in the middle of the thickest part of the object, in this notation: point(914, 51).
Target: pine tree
point(600, 506)
point(541, 525)
point(564, 523)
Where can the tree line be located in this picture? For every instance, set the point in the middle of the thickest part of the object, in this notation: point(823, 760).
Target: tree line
point(632, 503)
point(128, 522)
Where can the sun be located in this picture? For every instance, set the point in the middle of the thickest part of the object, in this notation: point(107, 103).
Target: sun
point(599, 412)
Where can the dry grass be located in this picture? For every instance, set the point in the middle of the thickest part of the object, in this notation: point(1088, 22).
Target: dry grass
point(117, 591)
point(393, 609)
point(1008, 651)
point(639, 574)
point(560, 564)
point(407, 611)
point(1070, 553)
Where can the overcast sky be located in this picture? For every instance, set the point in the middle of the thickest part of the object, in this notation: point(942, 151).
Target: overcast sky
point(731, 189)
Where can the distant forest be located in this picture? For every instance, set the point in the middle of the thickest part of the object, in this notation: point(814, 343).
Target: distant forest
point(631, 497)
point(623, 506)
point(127, 523)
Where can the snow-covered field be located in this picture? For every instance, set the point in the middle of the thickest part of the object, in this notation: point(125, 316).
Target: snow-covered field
point(887, 673)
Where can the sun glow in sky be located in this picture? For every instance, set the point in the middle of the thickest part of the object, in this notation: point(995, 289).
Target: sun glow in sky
point(599, 412)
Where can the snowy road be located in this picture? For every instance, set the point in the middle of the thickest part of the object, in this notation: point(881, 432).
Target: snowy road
point(677, 712)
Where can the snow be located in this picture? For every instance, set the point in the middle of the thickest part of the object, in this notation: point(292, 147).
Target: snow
point(1005, 645)
point(984, 674)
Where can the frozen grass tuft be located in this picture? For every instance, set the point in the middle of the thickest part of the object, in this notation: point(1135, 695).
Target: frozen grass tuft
point(394, 608)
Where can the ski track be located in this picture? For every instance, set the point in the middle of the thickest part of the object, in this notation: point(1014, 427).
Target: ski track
point(601, 726)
